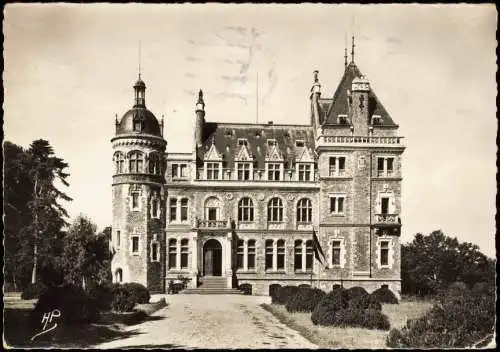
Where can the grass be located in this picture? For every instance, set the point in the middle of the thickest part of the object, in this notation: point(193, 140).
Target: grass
point(17, 331)
point(336, 337)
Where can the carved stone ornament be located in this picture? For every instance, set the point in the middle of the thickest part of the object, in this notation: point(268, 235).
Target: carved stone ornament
point(290, 197)
point(261, 196)
point(361, 162)
point(229, 196)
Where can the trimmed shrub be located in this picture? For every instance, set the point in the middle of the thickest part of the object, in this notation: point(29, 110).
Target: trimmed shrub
point(283, 294)
point(356, 292)
point(459, 319)
point(363, 318)
point(333, 301)
point(103, 294)
point(123, 300)
point(139, 293)
point(305, 300)
point(364, 302)
point(273, 289)
point(384, 295)
point(33, 291)
point(304, 286)
point(75, 306)
point(246, 288)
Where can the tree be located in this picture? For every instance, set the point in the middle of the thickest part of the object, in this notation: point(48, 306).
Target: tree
point(86, 254)
point(48, 215)
point(430, 263)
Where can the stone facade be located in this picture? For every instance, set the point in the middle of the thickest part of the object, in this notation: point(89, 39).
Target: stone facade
point(244, 203)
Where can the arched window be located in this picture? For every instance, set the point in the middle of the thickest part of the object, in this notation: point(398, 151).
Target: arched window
point(172, 253)
point(184, 253)
point(275, 210)
point(137, 122)
point(304, 210)
point(269, 254)
point(118, 275)
point(280, 262)
point(119, 160)
point(184, 209)
point(212, 209)
point(154, 163)
point(135, 162)
point(297, 264)
point(245, 209)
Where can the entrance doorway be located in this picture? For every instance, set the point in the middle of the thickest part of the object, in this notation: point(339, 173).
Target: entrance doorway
point(212, 258)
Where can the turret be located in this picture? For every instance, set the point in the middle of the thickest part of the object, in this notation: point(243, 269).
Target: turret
point(200, 119)
point(358, 108)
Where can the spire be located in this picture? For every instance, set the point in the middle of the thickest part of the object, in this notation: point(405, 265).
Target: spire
point(316, 76)
point(316, 87)
point(139, 59)
point(200, 104)
point(345, 50)
point(352, 50)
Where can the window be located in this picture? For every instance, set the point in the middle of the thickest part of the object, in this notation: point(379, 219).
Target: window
point(240, 252)
point(213, 170)
point(184, 253)
point(184, 209)
point(135, 162)
point(154, 164)
point(385, 167)
point(269, 254)
point(154, 208)
point(135, 200)
point(309, 255)
point(299, 143)
point(337, 166)
point(305, 172)
point(173, 209)
point(243, 171)
point(275, 210)
point(384, 202)
point(175, 170)
point(245, 209)
point(155, 251)
point(137, 124)
point(135, 244)
point(172, 253)
point(304, 211)
point(271, 142)
point(242, 141)
point(280, 262)
point(337, 204)
point(118, 238)
point(212, 209)
point(118, 275)
point(297, 263)
point(179, 170)
point(251, 254)
point(336, 249)
point(384, 253)
point(119, 162)
point(273, 172)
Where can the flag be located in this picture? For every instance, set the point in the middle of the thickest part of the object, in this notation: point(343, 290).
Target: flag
point(318, 251)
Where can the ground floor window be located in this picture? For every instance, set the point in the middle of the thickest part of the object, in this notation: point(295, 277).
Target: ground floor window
point(172, 253)
point(184, 253)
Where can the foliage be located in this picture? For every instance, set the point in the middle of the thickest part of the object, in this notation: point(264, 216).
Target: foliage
point(87, 256)
point(33, 291)
point(305, 300)
point(364, 302)
point(75, 305)
point(363, 318)
point(284, 293)
point(139, 293)
point(331, 303)
point(123, 301)
point(356, 291)
point(273, 289)
point(384, 295)
point(460, 318)
point(430, 263)
point(174, 288)
point(103, 293)
point(246, 288)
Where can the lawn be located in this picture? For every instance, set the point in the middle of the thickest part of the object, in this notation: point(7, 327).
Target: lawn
point(335, 337)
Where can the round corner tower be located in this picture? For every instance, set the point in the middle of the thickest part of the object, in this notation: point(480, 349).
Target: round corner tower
point(138, 196)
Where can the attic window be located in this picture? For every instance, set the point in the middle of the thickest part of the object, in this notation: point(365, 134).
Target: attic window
point(271, 142)
point(228, 133)
point(376, 120)
point(299, 143)
point(342, 119)
point(137, 124)
point(242, 141)
point(257, 134)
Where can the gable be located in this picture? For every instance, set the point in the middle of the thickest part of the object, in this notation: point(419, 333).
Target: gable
point(306, 156)
point(273, 154)
point(243, 154)
point(213, 154)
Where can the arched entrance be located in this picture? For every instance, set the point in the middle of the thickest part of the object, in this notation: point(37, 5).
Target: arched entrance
point(212, 258)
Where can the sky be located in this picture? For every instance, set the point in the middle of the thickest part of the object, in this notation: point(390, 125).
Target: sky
point(69, 68)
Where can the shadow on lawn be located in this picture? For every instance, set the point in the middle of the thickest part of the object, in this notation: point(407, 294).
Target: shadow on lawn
point(168, 345)
point(17, 333)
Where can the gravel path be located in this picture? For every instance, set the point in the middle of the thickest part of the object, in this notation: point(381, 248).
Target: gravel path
point(212, 321)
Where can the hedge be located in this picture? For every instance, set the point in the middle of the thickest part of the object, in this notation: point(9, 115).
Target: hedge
point(363, 318)
point(283, 294)
point(33, 291)
point(364, 302)
point(139, 293)
point(273, 289)
point(356, 291)
point(331, 302)
point(305, 300)
point(384, 295)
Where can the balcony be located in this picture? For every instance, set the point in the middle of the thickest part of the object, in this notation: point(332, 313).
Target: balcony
point(387, 219)
point(213, 224)
point(257, 175)
point(387, 224)
point(360, 141)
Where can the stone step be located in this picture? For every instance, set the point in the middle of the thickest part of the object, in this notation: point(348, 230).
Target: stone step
point(212, 291)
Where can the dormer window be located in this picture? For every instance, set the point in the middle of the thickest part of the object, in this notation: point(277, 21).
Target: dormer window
point(274, 171)
point(229, 133)
point(342, 119)
point(376, 120)
point(242, 141)
point(299, 143)
point(137, 124)
point(305, 172)
point(271, 142)
point(243, 171)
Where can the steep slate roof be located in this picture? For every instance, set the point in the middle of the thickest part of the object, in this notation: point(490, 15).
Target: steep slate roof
point(340, 107)
point(225, 138)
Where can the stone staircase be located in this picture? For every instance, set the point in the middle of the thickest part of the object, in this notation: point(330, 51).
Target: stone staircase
point(212, 285)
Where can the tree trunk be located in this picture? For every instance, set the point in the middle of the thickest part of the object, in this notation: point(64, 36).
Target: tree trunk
point(35, 249)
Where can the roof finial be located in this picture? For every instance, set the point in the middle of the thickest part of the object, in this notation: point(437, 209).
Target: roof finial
point(139, 59)
point(345, 49)
point(200, 97)
point(316, 76)
point(352, 50)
